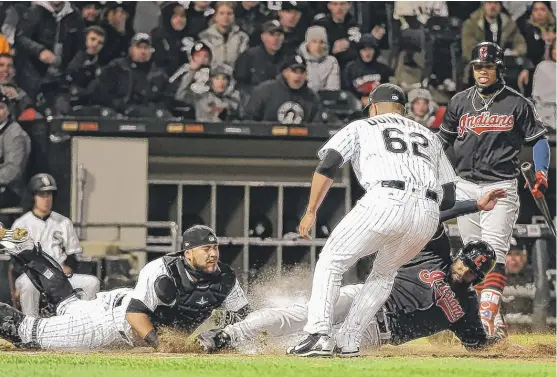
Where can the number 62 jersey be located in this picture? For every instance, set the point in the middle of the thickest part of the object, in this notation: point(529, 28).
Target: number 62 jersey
point(391, 147)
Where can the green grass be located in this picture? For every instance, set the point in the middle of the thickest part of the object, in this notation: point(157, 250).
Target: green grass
point(138, 365)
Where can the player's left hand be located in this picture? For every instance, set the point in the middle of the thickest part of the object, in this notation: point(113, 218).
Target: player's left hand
point(540, 186)
point(489, 200)
point(308, 221)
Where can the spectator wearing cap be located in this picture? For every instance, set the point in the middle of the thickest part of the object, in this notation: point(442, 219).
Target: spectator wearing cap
point(15, 148)
point(19, 100)
point(193, 77)
point(289, 17)
point(118, 33)
point(171, 39)
point(538, 30)
point(365, 73)
point(221, 102)
point(82, 71)
point(323, 70)
point(420, 107)
point(199, 14)
point(544, 88)
point(226, 39)
point(520, 278)
point(90, 12)
point(48, 37)
point(342, 31)
point(286, 99)
point(263, 62)
point(133, 85)
point(249, 15)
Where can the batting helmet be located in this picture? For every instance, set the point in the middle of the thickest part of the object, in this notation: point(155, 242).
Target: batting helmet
point(480, 257)
point(42, 182)
point(386, 93)
point(489, 53)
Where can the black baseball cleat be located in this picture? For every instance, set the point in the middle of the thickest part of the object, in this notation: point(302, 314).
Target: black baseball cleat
point(347, 352)
point(214, 340)
point(10, 319)
point(315, 345)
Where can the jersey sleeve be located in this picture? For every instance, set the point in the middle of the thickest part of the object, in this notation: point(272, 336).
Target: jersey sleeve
point(469, 328)
point(71, 243)
point(448, 130)
point(144, 290)
point(530, 123)
point(344, 142)
point(446, 172)
point(236, 299)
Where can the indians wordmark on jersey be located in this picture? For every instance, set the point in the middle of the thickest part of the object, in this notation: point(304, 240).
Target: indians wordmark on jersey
point(484, 122)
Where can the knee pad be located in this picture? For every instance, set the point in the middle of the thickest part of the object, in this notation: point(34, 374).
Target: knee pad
point(46, 275)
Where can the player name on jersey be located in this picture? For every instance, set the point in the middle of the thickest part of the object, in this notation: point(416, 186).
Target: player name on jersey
point(484, 122)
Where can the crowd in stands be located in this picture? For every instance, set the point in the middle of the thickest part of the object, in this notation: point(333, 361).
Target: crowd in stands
point(255, 61)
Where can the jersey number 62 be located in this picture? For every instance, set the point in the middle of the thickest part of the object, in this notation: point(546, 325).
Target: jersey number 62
point(392, 137)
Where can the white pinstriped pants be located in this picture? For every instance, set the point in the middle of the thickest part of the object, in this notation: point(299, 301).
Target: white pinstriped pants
point(82, 325)
point(394, 223)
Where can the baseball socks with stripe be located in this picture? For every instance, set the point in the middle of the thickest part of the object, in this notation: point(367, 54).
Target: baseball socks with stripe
point(490, 293)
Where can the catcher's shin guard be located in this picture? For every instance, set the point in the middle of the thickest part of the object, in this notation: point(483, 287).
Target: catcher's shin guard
point(490, 297)
point(43, 271)
point(10, 319)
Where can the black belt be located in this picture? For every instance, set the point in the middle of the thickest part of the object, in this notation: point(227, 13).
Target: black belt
point(401, 185)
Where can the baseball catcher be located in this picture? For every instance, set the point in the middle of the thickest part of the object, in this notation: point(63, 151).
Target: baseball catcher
point(179, 289)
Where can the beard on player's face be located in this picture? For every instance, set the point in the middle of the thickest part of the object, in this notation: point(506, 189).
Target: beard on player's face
point(461, 274)
point(203, 258)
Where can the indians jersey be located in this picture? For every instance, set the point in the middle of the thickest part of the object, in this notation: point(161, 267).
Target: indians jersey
point(55, 233)
point(392, 147)
point(424, 301)
point(488, 133)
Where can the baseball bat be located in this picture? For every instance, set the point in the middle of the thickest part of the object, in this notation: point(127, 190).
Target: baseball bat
point(530, 177)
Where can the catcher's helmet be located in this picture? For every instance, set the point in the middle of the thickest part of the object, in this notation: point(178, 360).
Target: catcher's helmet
point(42, 182)
point(480, 257)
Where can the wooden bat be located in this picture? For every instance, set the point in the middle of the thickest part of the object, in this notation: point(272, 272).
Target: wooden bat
point(530, 177)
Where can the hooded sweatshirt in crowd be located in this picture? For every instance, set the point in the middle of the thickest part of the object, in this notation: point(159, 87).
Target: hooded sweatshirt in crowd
point(323, 71)
point(171, 46)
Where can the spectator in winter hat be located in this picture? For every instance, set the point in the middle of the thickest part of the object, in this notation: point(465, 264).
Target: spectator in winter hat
point(323, 69)
point(420, 107)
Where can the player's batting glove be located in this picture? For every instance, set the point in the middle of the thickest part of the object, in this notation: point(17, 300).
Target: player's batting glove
point(541, 184)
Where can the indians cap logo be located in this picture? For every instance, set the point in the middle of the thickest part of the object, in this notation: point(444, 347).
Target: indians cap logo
point(483, 52)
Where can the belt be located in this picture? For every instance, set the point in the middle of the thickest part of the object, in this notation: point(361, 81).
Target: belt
point(401, 185)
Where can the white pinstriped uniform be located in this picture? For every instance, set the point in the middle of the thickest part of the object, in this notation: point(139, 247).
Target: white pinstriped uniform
point(101, 323)
point(58, 239)
point(394, 223)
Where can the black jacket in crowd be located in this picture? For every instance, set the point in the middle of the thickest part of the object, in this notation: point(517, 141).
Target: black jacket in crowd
point(349, 29)
point(171, 46)
point(250, 20)
point(361, 78)
point(116, 45)
point(82, 71)
point(135, 89)
point(39, 30)
point(274, 100)
point(256, 65)
point(197, 21)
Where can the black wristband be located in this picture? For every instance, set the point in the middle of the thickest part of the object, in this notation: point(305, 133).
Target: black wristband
point(152, 339)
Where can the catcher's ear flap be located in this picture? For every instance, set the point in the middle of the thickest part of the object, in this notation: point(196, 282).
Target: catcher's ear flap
point(449, 196)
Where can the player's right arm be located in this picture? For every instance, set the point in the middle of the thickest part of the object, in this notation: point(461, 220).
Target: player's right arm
point(449, 128)
point(153, 289)
point(340, 149)
point(469, 328)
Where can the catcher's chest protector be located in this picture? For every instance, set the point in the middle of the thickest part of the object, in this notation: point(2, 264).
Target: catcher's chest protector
point(195, 300)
